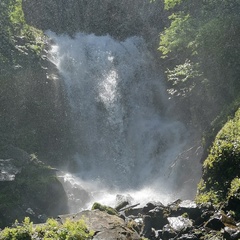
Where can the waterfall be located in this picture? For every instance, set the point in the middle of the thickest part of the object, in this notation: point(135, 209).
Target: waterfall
point(125, 139)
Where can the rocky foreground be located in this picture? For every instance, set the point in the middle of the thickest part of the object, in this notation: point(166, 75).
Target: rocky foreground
point(178, 220)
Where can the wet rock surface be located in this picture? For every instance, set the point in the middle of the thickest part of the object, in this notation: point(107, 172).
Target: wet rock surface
point(183, 220)
point(156, 221)
point(28, 187)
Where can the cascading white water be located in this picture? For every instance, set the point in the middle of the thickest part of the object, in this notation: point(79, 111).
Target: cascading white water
point(125, 140)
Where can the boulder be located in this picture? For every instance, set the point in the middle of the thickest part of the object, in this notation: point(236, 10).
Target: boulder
point(167, 233)
point(122, 201)
point(33, 191)
point(220, 220)
point(151, 205)
point(214, 223)
point(190, 208)
point(180, 224)
point(104, 225)
point(231, 233)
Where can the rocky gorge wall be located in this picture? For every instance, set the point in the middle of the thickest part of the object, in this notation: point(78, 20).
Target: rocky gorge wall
point(119, 19)
point(32, 104)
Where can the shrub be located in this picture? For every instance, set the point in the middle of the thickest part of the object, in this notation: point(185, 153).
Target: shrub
point(52, 229)
point(221, 168)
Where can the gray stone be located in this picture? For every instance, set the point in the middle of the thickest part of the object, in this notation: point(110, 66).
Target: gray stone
point(179, 223)
point(104, 225)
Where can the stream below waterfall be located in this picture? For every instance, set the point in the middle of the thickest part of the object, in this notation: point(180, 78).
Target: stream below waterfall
point(126, 140)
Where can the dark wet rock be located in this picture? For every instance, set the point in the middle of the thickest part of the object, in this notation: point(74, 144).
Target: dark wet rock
point(220, 220)
point(183, 220)
point(157, 223)
point(190, 208)
point(215, 223)
point(174, 209)
point(133, 212)
point(206, 210)
point(151, 205)
point(81, 197)
point(204, 217)
point(154, 217)
point(147, 226)
point(159, 217)
point(121, 205)
point(8, 170)
point(34, 191)
point(231, 233)
point(233, 204)
point(167, 232)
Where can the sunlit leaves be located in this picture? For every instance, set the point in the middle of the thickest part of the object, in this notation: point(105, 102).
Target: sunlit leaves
point(174, 37)
point(168, 4)
point(183, 75)
point(53, 230)
point(16, 15)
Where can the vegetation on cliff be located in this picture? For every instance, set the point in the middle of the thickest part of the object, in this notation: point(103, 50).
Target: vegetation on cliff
point(200, 48)
point(32, 118)
point(32, 107)
point(220, 178)
point(201, 51)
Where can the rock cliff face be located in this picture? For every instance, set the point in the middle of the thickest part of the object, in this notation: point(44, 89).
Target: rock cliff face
point(119, 19)
point(26, 187)
point(33, 105)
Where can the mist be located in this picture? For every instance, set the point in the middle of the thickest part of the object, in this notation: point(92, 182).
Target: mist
point(126, 139)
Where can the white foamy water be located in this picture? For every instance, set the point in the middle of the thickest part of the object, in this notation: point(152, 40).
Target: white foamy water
point(126, 143)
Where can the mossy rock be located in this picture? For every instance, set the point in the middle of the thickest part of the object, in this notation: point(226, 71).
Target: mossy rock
point(36, 187)
point(222, 164)
point(104, 208)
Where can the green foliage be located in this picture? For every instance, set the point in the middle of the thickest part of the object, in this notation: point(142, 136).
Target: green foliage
point(6, 9)
point(204, 196)
point(69, 230)
point(174, 38)
point(104, 208)
point(20, 232)
point(12, 24)
point(205, 33)
point(183, 75)
point(171, 3)
point(235, 187)
point(221, 168)
point(17, 16)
